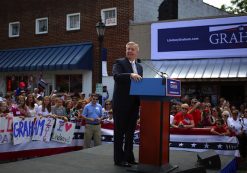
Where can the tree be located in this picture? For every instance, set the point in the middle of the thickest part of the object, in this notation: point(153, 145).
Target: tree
point(238, 7)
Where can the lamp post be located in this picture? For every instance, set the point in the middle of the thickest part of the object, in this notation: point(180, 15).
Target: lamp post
point(100, 28)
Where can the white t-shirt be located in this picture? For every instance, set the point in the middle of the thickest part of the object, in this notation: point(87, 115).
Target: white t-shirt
point(244, 123)
point(234, 125)
point(33, 112)
point(171, 119)
point(45, 113)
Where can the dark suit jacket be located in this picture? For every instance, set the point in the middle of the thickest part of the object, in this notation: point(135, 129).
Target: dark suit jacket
point(122, 100)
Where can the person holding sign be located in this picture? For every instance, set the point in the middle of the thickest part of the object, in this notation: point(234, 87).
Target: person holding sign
point(125, 106)
point(92, 113)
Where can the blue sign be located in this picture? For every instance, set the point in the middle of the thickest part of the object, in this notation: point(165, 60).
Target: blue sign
point(173, 87)
point(202, 38)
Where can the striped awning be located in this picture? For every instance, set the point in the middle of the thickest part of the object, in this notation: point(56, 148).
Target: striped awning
point(55, 57)
point(198, 68)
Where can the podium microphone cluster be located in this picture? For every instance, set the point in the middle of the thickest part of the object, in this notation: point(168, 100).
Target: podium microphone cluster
point(160, 73)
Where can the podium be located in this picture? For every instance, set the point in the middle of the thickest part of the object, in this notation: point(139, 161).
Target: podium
point(154, 125)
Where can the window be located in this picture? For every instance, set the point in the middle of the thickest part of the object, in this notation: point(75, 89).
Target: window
point(73, 21)
point(69, 83)
point(109, 16)
point(14, 29)
point(41, 26)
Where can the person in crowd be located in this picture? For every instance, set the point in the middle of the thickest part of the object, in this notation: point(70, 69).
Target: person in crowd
point(225, 115)
point(220, 128)
point(107, 111)
point(21, 110)
point(173, 112)
point(241, 109)
point(206, 100)
point(82, 96)
point(44, 110)
point(4, 111)
point(105, 95)
point(125, 106)
point(32, 105)
point(9, 101)
point(92, 113)
point(195, 112)
point(244, 121)
point(207, 118)
point(75, 97)
point(59, 110)
point(235, 126)
point(182, 119)
point(53, 99)
point(70, 114)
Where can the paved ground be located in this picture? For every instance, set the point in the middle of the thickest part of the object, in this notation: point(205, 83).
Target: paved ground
point(94, 160)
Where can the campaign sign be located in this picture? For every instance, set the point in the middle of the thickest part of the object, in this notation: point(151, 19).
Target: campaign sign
point(63, 132)
point(42, 129)
point(22, 130)
point(173, 87)
point(201, 38)
point(5, 130)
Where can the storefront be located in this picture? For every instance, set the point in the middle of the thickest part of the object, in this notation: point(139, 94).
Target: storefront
point(209, 56)
point(66, 68)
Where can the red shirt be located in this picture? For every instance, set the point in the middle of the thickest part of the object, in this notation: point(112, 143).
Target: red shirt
point(185, 119)
point(197, 116)
point(222, 129)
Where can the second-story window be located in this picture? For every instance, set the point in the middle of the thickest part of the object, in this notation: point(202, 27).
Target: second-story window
point(109, 16)
point(41, 25)
point(14, 29)
point(73, 21)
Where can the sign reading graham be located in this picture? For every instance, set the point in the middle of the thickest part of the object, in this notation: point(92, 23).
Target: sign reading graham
point(204, 38)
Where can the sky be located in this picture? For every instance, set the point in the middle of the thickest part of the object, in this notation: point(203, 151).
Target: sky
point(218, 3)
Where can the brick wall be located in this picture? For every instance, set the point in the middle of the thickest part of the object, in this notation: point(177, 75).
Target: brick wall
point(26, 11)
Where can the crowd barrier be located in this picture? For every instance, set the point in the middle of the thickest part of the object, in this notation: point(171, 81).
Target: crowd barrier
point(197, 139)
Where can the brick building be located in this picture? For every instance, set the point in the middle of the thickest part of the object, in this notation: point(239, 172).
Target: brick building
point(57, 40)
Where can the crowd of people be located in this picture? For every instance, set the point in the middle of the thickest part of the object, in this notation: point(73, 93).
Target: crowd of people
point(223, 119)
point(75, 107)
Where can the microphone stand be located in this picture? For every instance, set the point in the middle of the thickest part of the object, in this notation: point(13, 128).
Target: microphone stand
point(163, 75)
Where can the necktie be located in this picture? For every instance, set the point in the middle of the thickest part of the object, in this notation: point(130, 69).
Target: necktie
point(134, 68)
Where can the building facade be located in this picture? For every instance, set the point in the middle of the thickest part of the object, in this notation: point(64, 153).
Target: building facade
point(222, 77)
point(40, 34)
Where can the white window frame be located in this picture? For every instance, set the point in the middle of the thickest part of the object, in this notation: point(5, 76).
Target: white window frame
point(104, 18)
point(37, 25)
point(68, 28)
point(11, 29)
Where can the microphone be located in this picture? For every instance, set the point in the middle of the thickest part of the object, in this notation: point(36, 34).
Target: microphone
point(161, 74)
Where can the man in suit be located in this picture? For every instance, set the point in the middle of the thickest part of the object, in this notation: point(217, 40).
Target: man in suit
point(125, 106)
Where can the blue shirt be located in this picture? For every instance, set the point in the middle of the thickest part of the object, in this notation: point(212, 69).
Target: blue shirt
point(92, 111)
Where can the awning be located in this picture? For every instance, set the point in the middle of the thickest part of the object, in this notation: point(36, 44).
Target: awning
point(56, 57)
point(198, 68)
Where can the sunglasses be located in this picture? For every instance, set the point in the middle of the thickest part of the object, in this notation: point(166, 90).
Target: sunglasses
point(107, 104)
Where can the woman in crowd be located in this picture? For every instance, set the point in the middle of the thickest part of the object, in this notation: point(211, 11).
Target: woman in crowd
point(59, 110)
point(70, 113)
point(182, 119)
point(107, 111)
point(235, 126)
point(44, 110)
point(4, 111)
point(21, 110)
point(32, 105)
point(220, 128)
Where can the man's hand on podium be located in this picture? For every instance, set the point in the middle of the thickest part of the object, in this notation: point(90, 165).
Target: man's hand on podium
point(135, 77)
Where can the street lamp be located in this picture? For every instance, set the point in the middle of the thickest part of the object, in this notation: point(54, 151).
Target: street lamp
point(100, 28)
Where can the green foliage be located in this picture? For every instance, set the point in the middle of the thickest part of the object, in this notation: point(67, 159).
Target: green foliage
point(238, 7)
